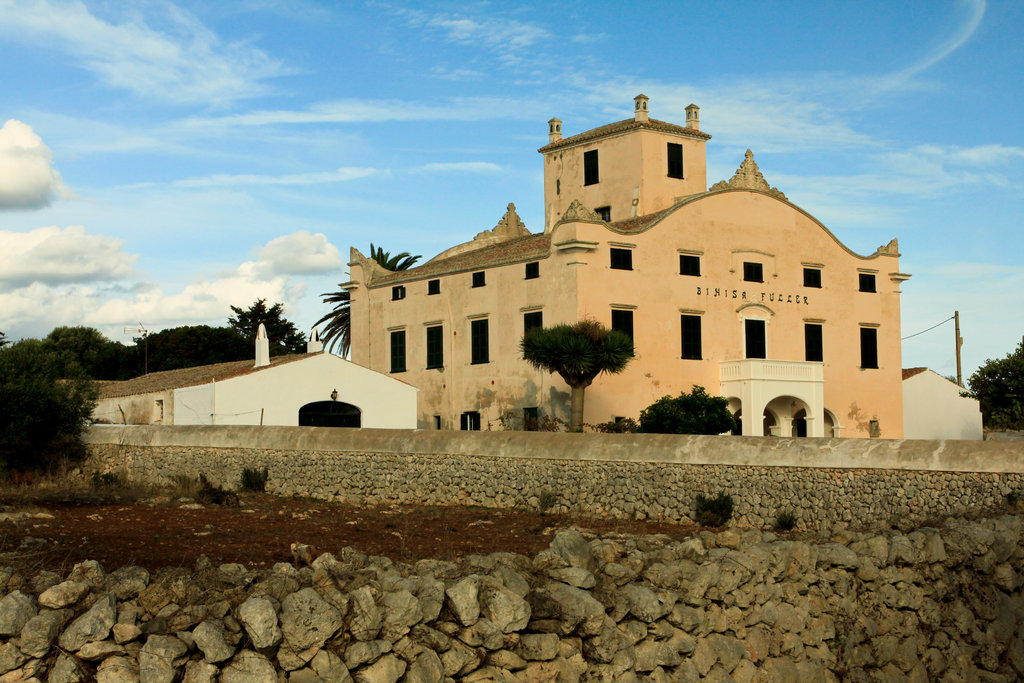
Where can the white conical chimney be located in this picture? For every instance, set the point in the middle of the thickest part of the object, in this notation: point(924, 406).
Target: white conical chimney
point(314, 345)
point(262, 347)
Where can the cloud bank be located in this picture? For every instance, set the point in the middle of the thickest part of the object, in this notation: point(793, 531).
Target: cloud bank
point(52, 256)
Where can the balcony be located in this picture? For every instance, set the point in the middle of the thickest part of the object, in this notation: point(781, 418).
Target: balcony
point(770, 370)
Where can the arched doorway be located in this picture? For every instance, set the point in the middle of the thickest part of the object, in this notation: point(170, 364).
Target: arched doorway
point(329, 414)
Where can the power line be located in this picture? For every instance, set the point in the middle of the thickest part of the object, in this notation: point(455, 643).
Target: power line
point(928, 330)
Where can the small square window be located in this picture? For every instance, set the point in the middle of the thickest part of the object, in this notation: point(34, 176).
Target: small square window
point(433, 287)
point(604, 212)
point(621, 259)
point(532, 321)
point(867, 282)
point(753, 272)
point(532, 270)
point(531, 418)
point(397, 292)
point(437, 422)
point(478, 279)
point(812, 277)
point(689, 264)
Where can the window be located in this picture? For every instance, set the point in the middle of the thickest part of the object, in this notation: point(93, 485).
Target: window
point(753, 272)
point(470, 421)
point(812, 342)
point(478, 279)
point(604, 212)
point(867, 282)
point(812, 277)
point(433, 287)
point(623, 322)
point(622, 259)
point(675, 160)
point(397, 292)
point(868, 347)
point(590, 176)
point(690, 325)
point(478, 341)
point(435, 347)
point(530, 419)
point(437, 422)
point(398, 351)
point(756, 347)
point(532, 321)
point(532, 270)
point(689, 264)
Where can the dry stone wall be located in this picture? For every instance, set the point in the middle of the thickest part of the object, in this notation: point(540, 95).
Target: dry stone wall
point(932, 604)
point(823, 482)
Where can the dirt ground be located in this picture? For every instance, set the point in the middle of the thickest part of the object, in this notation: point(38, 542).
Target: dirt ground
point(258, 532)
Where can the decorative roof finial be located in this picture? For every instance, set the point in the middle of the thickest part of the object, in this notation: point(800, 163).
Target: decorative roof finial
point(748, 177)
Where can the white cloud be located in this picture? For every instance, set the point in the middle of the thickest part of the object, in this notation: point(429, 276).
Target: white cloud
point(301, 253)
point(52, 256)
point(501, 33)
point(183, 62)
point(27, 177)
point(461, 167)
point(340, 175)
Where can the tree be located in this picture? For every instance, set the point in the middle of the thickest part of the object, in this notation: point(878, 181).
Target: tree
point(578, 353)
point(283, 335)
point(689, 413)
point(47, 401)
point(192, 345)
point(3, 340)
point(338, 323)
point(98, 356)
point(999, 387)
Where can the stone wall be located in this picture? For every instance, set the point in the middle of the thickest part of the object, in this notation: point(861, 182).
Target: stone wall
point(824, 482)
point(932, 604)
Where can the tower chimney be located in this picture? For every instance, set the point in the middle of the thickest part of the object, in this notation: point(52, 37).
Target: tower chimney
point(640, 112)
point(693, 117)
point(314, 345)
point(554, 130)
point(262, 347)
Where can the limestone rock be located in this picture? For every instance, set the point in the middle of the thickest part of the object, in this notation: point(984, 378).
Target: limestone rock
point(118, 670)
point(537, 646)
point(96, 650)
point(504, 609)
point(16, 609)
point(67, 669)
point(93, 625)
point(160, 659)
point(387, 669)
point(365, 652)
point(249, 667)
point(463, 600)
point(200, 672)
point(574, 549)
point(307, 620)
point(40, 632)
point(329, 667)
point(127, 583)
point(210, 639)
point(259, 617)
point(364, 616)
point(426, 668)
point(63, 594)
point(401, 612)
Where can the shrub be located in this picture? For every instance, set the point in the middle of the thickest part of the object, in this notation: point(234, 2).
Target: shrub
point(785, 520)
point(624, 426)
point(546, 500)
point(689, 413)
point(714, 511)
point(45, 403)
point(254, 480)
point(214, 495)
point(106, 480)
point(1013, 497)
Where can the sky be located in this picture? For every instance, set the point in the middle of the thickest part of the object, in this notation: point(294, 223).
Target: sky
point(161, 161)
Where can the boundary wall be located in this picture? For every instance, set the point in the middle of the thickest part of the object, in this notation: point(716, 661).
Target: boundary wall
point(825, 482)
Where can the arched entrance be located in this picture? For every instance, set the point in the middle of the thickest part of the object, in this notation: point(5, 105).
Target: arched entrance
point(329, 414)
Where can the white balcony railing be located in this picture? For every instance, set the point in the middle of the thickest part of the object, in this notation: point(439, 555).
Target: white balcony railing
point(771, 370)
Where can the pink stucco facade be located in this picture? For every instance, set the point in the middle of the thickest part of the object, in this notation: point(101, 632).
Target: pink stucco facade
point(689, 329)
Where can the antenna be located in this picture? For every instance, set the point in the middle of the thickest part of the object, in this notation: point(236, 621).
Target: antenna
point(141, 329)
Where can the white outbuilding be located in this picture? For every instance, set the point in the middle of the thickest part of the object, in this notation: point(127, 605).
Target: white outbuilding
point(315, 389)
point(934, 409)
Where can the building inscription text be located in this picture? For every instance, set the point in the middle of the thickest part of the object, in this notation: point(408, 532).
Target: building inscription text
point(766, 297)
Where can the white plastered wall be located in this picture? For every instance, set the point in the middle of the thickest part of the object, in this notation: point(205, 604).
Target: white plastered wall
point(934, 409)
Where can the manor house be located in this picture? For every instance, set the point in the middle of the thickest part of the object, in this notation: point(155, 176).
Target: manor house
point(730, 287)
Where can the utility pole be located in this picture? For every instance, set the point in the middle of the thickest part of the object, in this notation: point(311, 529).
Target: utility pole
point(141, 329)
point(959, 343)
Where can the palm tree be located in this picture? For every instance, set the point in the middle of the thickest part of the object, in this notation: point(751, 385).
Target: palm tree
point(338, 323)
point(578, 353)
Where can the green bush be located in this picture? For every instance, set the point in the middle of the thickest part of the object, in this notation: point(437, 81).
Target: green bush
point(785, 520)
point(214, 495)
point(689, 413)
point(713, 511)
point(45, 404)
point(624, 426)
point(106, 480)
point(546, 500)
point(254, 479)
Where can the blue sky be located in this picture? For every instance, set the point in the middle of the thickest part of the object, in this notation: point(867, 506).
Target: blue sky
point(162, 161)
